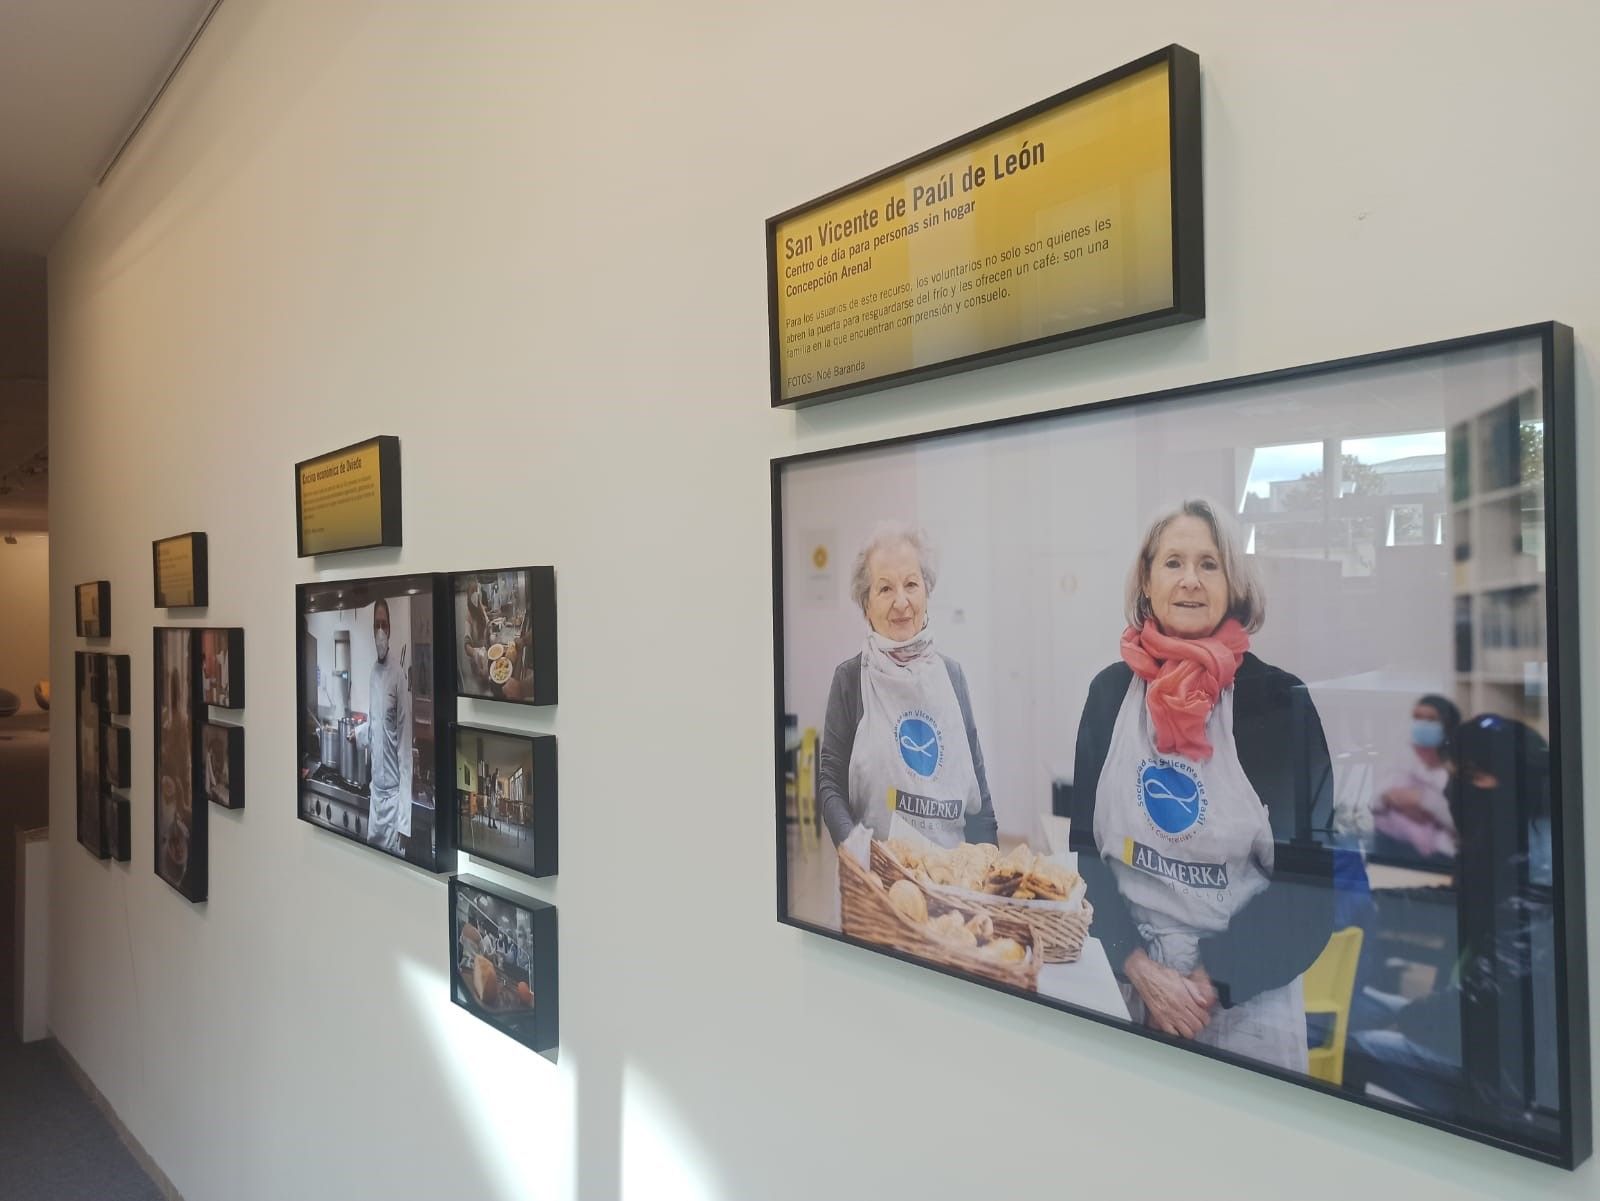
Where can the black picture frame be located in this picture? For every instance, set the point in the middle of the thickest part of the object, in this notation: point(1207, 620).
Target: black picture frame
point(1558, 1128)
point(390, 533)
point(496, 830)
point(222, 666)
point(180, 852)
point(199, 579)
point(325, 797)
point(535, 589)
point(1188, 235)
point(116, 744)
point(89, 757)
point(122, 846)
point(100, 625)
point(222, 757)
point(117, 689)
point(538, 1027)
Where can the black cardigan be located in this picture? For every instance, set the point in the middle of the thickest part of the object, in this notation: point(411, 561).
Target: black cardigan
point(1278, 933)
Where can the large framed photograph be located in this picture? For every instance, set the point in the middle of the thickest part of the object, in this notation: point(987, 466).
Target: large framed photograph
point(93, 829)
point(506, 798)
point(222, 667)
point(222, 753)
point(92, 602)
point(375, 716)
point(182, 845)
point(1243, 717)
point(506, 630)
point(503, 961)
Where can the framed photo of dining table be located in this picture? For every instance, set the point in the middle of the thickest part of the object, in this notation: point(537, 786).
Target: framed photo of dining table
point(1242, 716)
point(506, 634)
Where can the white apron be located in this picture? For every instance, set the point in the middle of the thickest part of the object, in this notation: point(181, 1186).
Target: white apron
point(911, 766)
point(1188, 844)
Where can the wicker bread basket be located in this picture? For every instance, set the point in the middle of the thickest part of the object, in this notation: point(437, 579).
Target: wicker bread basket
point(867, 914)
point(1059, 927)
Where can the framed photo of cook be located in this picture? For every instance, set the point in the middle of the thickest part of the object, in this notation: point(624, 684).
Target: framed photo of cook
point(1074, 220)
point(117, 701)
point(506, 627)
point(506, 798)
point(93, 602)
point(181, 575)
point(1243, 717)
point(348, 499)
point(503, 957)
point(182, 845)
point(375, 714)
point(93, 827)
point(222, 667)
point(222, 753)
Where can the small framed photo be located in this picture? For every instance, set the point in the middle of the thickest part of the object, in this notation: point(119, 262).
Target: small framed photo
point(503, 961)
point(180, 571)
point(222, 753)
point(506, 634)
point(222, 667)
point(116, 745)
point(120, 810)
point(506, 798)
point(94, 609)
point(117, 700)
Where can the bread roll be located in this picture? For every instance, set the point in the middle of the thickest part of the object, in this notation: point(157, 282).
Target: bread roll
point(908, 899)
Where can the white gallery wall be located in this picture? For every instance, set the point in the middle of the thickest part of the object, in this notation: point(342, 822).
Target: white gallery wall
point(528, 240)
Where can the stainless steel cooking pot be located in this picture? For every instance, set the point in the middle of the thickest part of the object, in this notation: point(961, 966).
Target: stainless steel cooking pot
point(330, 746)
point(354, 759)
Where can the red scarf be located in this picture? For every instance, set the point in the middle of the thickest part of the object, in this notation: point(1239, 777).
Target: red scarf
point(1185, 676)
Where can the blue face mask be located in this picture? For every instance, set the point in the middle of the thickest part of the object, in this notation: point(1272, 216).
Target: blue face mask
point(1428, 734)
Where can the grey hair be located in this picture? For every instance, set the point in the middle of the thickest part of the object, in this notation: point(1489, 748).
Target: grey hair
point(1246, 602)
point(892, 533)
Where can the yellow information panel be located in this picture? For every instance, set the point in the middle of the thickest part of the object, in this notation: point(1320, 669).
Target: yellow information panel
point(175, 572)
point(1073, 221)
point(349, 499)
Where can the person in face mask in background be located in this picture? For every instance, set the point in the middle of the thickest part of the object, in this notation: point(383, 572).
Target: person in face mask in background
point(387, 733)
point(1410, 815)
point(899, 745)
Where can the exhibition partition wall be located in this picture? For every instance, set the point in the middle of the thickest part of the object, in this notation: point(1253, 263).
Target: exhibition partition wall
point(528, 244)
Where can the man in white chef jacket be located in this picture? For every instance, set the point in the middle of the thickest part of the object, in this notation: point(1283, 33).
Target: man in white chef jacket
point(388, 736)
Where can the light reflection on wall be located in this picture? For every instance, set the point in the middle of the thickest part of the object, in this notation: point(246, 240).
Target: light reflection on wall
point(661, 1160)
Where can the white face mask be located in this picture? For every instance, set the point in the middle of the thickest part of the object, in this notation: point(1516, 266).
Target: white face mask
point(381, 638)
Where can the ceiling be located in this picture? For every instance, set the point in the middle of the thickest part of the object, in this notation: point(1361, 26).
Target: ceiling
point(76, 77)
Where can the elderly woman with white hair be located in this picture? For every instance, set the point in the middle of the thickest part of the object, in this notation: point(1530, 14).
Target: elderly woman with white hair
point(1198, 767)
point(899, 745)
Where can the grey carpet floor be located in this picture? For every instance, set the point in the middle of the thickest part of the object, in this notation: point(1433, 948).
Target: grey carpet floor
point(54, 1144)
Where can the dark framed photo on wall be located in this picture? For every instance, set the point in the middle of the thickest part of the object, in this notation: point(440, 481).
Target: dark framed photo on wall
point(182, 571)
point(222, 667)
point(506, 634)
point(93, 828)
point(1242, 717)
point(375, 712)
point(117, 697)
point(503, 959)
point(116, 745)
point(222, 753)
point(182, 845)
point(93, 605)
point(505, 786)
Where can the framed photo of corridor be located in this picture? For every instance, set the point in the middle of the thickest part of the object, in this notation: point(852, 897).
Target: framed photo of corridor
point(1242, 717)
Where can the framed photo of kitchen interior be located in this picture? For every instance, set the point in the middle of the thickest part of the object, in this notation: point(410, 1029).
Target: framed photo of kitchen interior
point(348, 499)
point(506, 624)
point(1071, 221)
point(181, 571)
point(117, 698)
point(95, 825)
point(222, 753)
point(182, 842)
point(1243, 717)
point(375, 759)
point(222, 667)
point(503, 957)
point(93, 607)
point(505, 787)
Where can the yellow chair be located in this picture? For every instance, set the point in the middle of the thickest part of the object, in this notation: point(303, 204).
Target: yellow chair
point(805, 792)
point(1328, 985)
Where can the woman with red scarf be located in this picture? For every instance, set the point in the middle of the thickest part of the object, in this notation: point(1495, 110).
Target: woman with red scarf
point(1198, 767)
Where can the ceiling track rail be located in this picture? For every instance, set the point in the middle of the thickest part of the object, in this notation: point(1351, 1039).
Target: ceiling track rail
point(160, 92)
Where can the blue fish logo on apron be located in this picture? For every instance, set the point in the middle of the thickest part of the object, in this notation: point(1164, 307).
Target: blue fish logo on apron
point(1173, 797)
point(920, 747)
